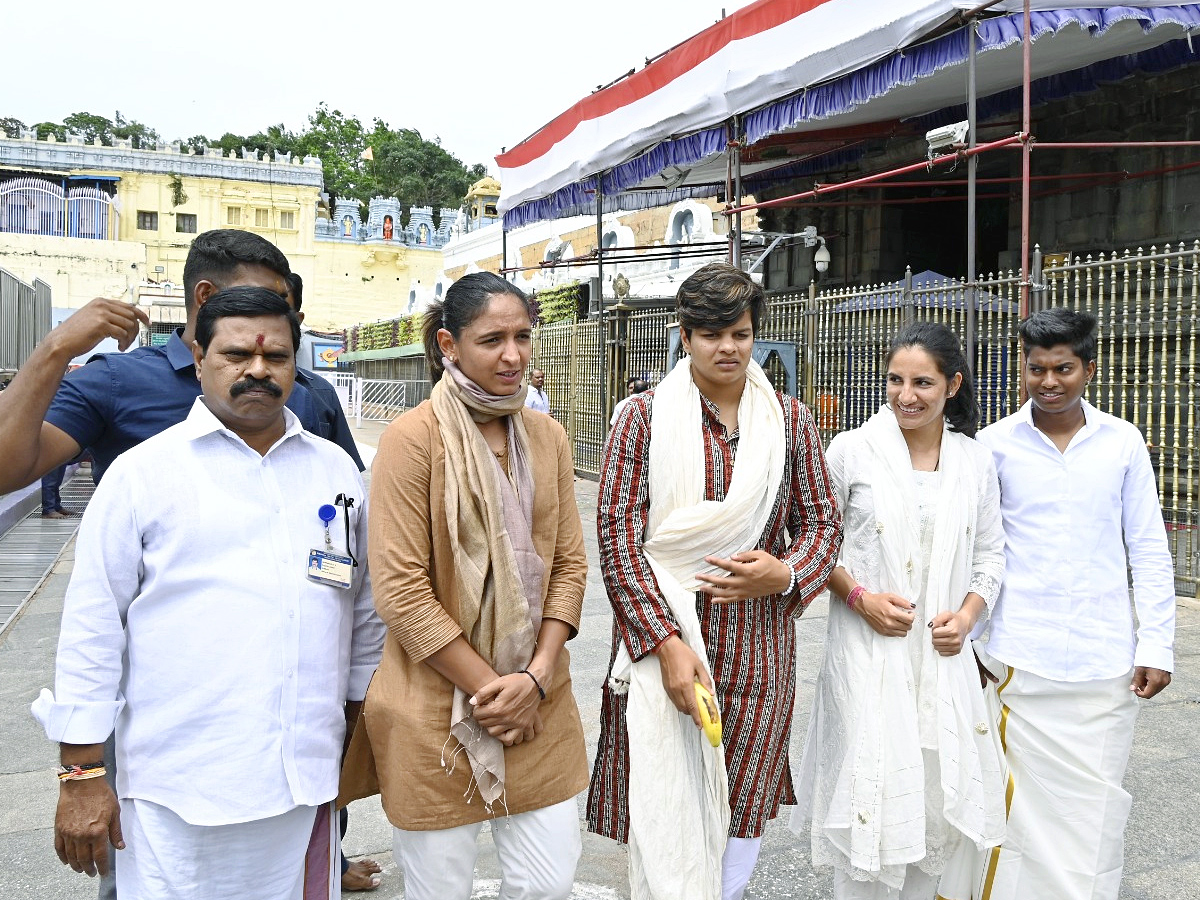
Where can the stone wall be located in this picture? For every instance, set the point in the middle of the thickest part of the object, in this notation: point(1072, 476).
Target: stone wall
point(1128, 212)
point(77, 269)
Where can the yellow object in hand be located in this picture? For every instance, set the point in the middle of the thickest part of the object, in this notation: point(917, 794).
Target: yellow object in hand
point(710, 715)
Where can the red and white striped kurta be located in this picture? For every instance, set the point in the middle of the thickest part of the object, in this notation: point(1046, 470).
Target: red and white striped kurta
point(751, 645)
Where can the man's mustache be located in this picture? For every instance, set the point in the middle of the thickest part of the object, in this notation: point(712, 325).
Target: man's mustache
point(256, 384)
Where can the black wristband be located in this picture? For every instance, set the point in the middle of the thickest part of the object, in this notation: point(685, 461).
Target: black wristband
point(536, 683)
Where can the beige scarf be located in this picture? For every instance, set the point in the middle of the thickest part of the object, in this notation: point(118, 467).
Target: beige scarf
point(497, 569)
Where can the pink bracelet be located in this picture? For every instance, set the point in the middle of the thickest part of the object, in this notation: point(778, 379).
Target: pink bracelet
point(855, 593)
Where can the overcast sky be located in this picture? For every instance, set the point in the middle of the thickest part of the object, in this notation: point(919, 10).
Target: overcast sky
point(479, 75)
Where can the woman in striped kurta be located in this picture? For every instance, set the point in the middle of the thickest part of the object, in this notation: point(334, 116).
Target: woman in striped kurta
point(750, 644)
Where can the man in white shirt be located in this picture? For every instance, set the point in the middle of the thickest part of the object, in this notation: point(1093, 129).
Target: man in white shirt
point(635, 386)
point(1080, 505)
point(536, 397)
point(220, 619)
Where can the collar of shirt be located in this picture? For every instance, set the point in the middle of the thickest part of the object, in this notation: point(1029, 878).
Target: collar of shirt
point(179, 354)
point(200, 422)
point(1093, 421)
point(712, 413)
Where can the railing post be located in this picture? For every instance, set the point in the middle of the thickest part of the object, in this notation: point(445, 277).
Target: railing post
point(1037, 298)
point(808, 338)
point(618, 368)
point(908, 309)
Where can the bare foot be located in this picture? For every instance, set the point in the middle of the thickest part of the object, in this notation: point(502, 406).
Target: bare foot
point(361, 876)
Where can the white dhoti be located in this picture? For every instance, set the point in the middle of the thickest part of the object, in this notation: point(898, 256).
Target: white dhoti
point(1066, 745)
point(169, 859)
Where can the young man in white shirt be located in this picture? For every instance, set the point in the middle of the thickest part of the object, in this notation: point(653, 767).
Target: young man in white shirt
point(635, 386)
point(1080, 505)
point(218, 619)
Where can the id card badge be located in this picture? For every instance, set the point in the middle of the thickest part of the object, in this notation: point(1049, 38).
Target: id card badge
point(330, 568)
point(325, 566)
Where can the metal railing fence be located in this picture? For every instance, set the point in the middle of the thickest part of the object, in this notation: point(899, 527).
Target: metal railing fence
point(25, 318)
point(1147, 304)
point(38, 206)
point(378, 401)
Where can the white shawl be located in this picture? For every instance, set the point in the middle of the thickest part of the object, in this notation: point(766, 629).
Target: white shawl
point(678, 787)
point(863, 774)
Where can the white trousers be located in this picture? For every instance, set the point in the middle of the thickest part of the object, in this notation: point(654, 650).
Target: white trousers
point(165, 858)
point(538, 852)
point(918, 885)
point(1066, 746)
point(737, 865)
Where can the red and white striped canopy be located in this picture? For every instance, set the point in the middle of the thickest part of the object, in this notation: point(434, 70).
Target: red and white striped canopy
point(775, 49)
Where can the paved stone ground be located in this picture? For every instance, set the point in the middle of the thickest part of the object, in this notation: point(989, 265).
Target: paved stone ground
point(1162, 845)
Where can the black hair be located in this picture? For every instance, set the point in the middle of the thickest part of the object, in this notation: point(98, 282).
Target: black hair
point(1060, 325)
point(462, 305)
point(243, 301)
point(715, 296)
point(638, 385)
point(214, 255)
point(944, 347)
point(297, 290)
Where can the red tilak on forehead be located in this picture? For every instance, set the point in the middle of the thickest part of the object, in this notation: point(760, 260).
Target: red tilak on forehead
point(259, 340)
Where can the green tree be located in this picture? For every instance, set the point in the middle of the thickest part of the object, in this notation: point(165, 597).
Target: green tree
point(340, 141)
point(229, 141)
point(44, 129)
point(196, 142)
point(415, 171)
point(143, 136)
point(12, 127)
point(90, 127)
point(276, 139)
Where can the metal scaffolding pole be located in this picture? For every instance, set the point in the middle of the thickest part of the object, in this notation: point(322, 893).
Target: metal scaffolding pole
point(972, 171)
point(1026, 149)
point(603, 334)
point(735, 150)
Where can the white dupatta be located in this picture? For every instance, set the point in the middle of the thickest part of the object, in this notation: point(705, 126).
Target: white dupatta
point(868, 814)
point(678, 786)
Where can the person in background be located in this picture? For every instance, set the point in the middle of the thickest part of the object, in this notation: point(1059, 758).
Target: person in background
point(326, 406)
point(536, 397)
point(901, 790)
point(1081, 511)
point(52, 507)
point(635, 386)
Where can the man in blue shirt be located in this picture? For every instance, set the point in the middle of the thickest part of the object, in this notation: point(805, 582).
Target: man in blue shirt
point(118, 400)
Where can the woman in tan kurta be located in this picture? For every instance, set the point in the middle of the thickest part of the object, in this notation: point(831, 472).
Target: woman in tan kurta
point(477, 598)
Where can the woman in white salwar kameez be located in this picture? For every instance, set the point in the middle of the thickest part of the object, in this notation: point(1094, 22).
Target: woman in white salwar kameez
point(900, 784)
